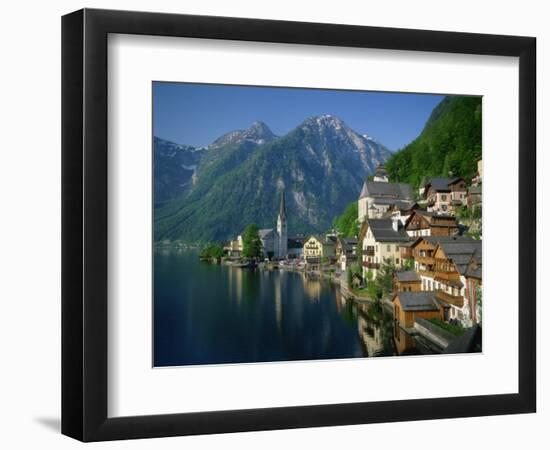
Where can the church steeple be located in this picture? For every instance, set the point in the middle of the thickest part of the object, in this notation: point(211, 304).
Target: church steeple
point(282, 206)
point(282, 244)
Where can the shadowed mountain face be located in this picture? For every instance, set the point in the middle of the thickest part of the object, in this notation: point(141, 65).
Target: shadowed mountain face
point(321, 164)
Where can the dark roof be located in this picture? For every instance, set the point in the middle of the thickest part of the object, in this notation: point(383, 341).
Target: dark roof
point(348, 244)
point(441, 184)
point(462, 251)
point(383, 231)
point(397, 191)
point(408, 275)
point(326, 240)
point(434, 240)
point(295, 243)
point(417, 301)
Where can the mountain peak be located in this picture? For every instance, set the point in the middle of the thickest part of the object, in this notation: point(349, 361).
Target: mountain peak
point(258, 133)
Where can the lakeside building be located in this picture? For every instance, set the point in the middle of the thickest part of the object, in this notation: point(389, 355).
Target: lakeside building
point(443, 264)
point(407, 281)
point(444, 195)
point(407, 306)
point(346, 252)
point(425, 223)
point(318, 246)
point(381, 242)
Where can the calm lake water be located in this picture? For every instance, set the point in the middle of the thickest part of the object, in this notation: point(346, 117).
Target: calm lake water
point(211, 314)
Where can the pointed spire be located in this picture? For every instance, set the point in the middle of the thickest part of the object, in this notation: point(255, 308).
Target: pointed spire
point(282, 206)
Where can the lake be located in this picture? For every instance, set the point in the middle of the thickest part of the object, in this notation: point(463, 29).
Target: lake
point(213, 314)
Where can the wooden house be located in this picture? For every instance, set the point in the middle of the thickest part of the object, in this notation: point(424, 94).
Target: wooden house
point(408, 281)
point(409, 305)
point(426, 223)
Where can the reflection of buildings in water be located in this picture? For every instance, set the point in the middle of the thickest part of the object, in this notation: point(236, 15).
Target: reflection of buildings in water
point(312, 286)
point(341, 300)
point(404, 342)
point(235, 277)
point(278, 302)
point(371, 336)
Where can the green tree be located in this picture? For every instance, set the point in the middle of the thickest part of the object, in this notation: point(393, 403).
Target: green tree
point(385, 277)
point(346, 224)
point(211, 251)
point(349, 277)
point(252, 245)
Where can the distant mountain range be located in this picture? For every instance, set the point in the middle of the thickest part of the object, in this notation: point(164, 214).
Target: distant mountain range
point(212, 193)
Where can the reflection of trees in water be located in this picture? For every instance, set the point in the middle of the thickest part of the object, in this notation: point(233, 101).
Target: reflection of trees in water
point(374, 325)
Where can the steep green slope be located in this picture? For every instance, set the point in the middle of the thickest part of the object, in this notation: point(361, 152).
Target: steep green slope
point(448, 146)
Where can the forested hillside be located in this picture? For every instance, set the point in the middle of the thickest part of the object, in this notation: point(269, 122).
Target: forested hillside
point(449, 144)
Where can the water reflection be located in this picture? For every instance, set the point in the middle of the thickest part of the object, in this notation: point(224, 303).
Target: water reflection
point(212, 314)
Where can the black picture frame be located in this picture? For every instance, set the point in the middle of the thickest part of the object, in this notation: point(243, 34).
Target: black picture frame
point(84, 224)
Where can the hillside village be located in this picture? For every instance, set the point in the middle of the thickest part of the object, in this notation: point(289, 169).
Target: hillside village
point(417, 252)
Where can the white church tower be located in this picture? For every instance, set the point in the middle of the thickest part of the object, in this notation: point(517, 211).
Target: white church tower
point(282, 239)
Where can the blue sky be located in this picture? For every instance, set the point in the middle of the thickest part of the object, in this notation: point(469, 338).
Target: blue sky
point(197, 114)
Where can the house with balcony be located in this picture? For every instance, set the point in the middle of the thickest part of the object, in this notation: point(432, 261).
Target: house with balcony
point(426, 223)
point(381, 243)
point(445, 195)
point(452, 260)
point(318, 247)
point(442, 263)
point(377, 197)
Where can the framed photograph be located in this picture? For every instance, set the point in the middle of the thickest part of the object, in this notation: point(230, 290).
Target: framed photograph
point(273, 224)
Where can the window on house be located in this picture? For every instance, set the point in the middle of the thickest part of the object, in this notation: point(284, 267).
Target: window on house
point(388, 248)
point(397, 248)
point(443, 198)
point(396, 260)
point(444, 207)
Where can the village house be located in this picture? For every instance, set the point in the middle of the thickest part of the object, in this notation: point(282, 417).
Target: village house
point(444, 195)
point(408, 281)
point(319, 247)
point(402, 210)
point(345, 251)
point(377, 197)
point(453, 260)
point(381, 243)
point(442, 263)
point(473, 285)
point(425, 223)
point(407, 306)
point(474, 197)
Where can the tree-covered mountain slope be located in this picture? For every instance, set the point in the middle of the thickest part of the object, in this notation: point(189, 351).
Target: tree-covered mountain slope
point(449, 144)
